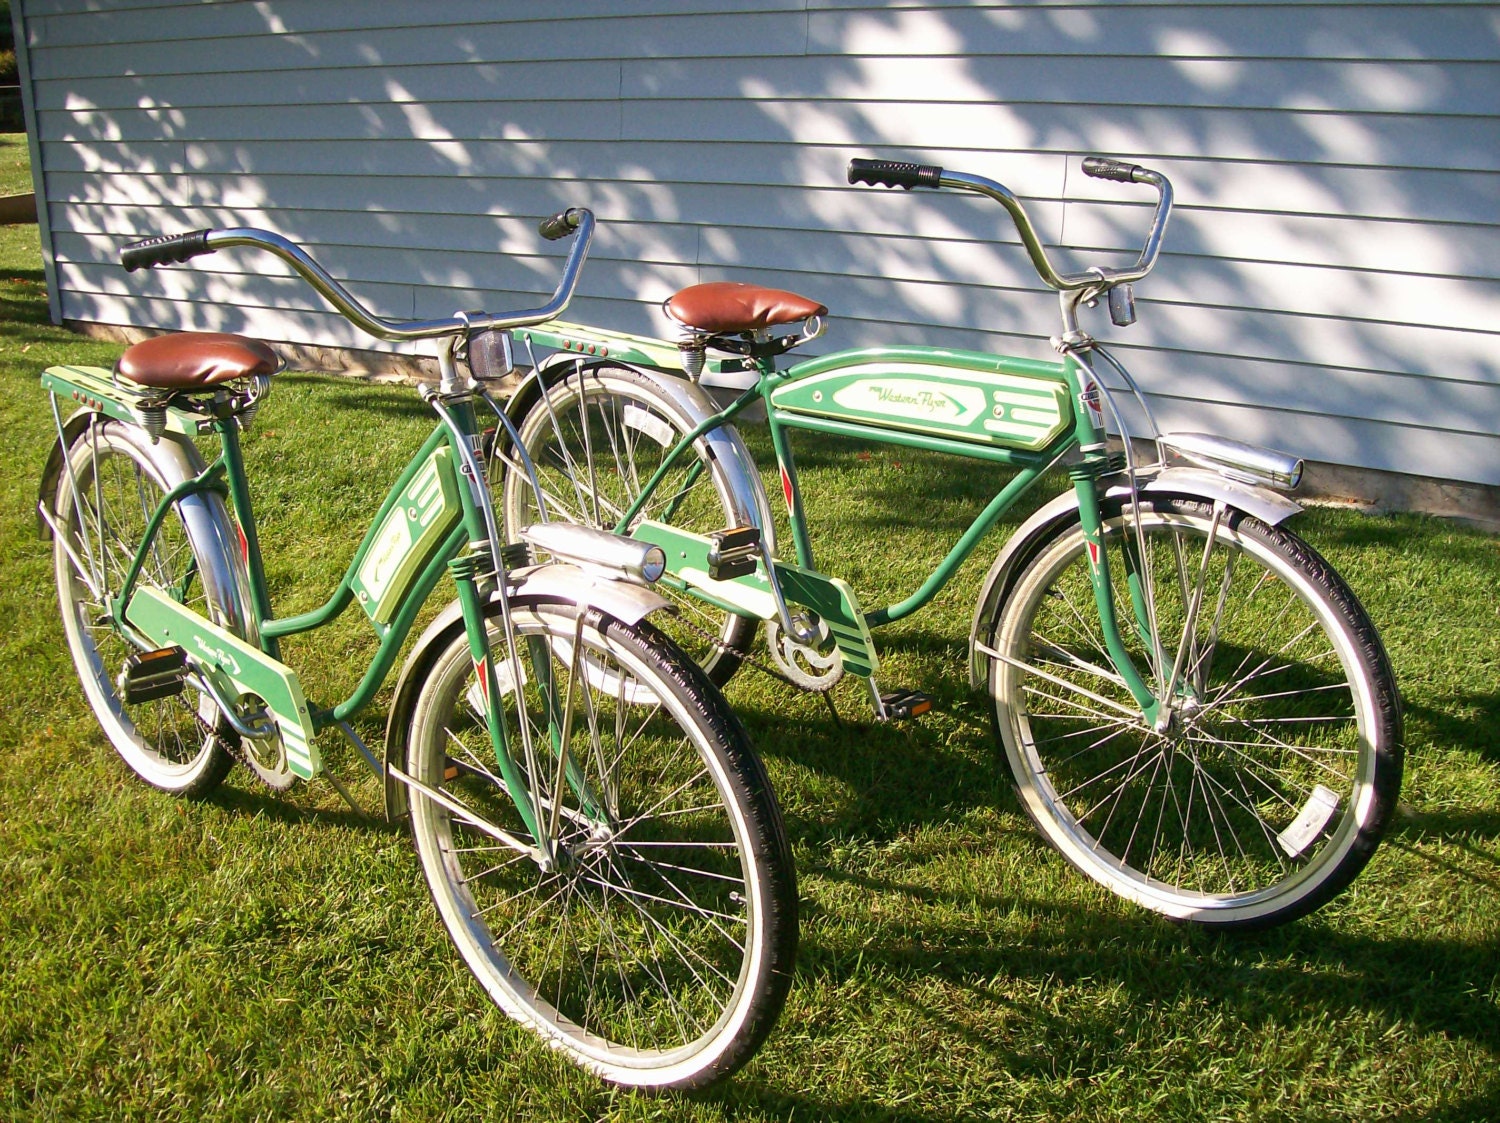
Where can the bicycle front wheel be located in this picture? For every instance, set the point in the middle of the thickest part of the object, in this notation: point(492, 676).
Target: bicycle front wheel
point(113, 481)
point(1265, 787)
point(597, 438)
point(657, 950)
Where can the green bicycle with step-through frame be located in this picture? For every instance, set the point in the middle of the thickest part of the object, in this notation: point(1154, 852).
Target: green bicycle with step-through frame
point(597, 832)
point(1195, 709)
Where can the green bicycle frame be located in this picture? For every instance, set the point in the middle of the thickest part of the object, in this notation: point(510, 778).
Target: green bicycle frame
point(420, 531)
point(1021, 414)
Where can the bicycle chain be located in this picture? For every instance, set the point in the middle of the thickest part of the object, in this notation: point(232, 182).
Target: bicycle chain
point(748, 660)
point(236, 753)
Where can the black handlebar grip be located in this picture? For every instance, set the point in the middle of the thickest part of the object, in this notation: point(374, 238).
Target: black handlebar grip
point(560, 225)
point(166, 249)
point(1101, 167)
point(894, 173)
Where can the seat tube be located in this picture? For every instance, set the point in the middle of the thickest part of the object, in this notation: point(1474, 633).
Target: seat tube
point(244, 517)
point(791, 490)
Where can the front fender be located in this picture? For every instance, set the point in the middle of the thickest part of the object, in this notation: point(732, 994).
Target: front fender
point(1191, 483)
point(554, 583)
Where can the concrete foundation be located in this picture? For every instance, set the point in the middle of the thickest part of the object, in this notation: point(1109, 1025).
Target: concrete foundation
point(17, 209)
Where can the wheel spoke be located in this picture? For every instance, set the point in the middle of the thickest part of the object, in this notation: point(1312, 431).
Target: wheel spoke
point(109, 490)
point(633, 944)
point(1236, 806)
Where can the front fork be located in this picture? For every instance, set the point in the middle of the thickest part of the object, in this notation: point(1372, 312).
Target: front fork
point(473, 573)
point(1087, 488)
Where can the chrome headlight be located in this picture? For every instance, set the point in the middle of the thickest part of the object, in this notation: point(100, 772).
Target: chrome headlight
point(611, 555)
point(1239, 461)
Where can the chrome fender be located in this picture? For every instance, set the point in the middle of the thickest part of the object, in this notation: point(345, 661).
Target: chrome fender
point(624, 600)
point(205, 518)
point(1190, 483)
point(555, 583)
point(747, 498)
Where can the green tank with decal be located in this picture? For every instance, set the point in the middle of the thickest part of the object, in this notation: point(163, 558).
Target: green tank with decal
point(413, 529)
point(962, 395)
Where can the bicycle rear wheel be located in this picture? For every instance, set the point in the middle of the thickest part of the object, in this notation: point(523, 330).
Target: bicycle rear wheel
point(1267, 790)
point(114, 480)
point(596, 439)
point(659, 950)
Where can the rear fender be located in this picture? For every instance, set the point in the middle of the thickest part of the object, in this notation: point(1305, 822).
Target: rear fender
point(748, 502)
point(1190, 483)
point(553, 583)
point(205, 517)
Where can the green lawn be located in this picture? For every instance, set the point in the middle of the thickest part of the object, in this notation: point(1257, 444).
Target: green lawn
point(255, 956)
point(15, 164)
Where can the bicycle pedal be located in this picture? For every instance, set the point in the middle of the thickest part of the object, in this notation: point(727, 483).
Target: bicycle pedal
point(901, 705)
point(732, 552)
point(149, 675)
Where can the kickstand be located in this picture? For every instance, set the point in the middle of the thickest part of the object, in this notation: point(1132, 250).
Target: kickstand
point(349, 799)
point(832, 710)
point(354, 739)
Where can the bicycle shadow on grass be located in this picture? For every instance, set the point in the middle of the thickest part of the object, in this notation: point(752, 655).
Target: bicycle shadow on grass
point(243, 795)
point(910, 937)
point(1466, 720)
point(1416, 832)
point(1163, 981)
point(892, 778)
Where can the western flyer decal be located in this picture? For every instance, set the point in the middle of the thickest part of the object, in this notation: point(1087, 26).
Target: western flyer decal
point(914, 400)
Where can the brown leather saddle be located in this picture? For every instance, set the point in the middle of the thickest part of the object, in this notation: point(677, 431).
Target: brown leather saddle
point(195, 360)
point(734, 308)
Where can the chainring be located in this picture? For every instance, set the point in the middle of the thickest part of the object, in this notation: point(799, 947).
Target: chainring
point(264, 756)
point(817, 667)
point(277, 776)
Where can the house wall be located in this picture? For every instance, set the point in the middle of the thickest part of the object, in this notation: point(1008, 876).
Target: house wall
point(1329, 284)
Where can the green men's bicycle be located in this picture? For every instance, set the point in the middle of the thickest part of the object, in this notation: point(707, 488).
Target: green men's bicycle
point(1196, 710)
point(597, 833)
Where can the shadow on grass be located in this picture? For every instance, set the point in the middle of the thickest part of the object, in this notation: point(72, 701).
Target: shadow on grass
point(1462, 545)
point(1288, 980)
point(337, 392)
point(287, 808)
point(1467, 720)
point(1259, 984)
point(902, 779)
point(1457, 828)
point(755, 1098)
point(25, 277)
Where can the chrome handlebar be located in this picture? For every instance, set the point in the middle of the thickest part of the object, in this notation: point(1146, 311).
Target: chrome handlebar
point(1051, 277)
point(912, 175)
point(157, 251)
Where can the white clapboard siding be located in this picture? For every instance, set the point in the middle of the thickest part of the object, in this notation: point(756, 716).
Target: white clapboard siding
point(1329, 283)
